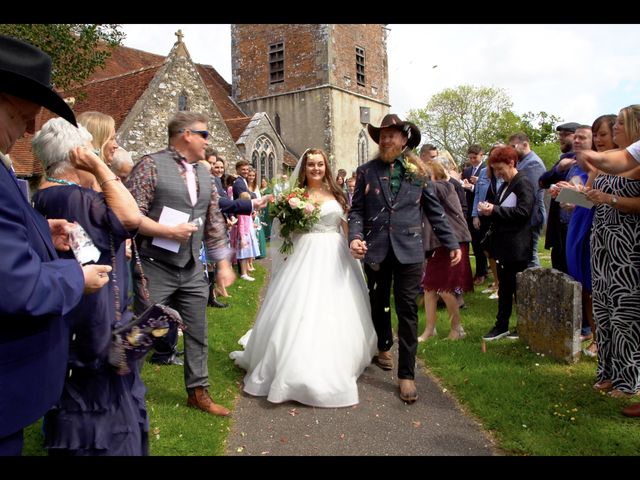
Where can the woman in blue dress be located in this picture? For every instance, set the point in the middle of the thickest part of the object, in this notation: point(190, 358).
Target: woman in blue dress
point(579, 230)
point(99, 412)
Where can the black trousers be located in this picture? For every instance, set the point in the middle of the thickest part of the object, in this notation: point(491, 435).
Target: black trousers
point(476, 238)
point(507, 277)
point(559, 249)
point(406, 286)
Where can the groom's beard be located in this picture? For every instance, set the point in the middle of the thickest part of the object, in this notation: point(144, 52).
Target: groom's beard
point(389, 154)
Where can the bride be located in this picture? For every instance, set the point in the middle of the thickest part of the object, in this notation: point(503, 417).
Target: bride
point(313, 336)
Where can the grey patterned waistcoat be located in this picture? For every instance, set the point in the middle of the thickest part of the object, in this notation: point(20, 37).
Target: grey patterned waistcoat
point(171, 191)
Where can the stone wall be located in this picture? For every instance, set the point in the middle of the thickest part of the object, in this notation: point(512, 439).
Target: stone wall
point(145, 128)
point(549, 311)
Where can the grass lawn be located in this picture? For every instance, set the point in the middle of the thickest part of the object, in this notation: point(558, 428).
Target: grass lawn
point(531, 404)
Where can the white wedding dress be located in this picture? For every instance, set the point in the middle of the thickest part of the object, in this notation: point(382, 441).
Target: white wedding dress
point(313, 336)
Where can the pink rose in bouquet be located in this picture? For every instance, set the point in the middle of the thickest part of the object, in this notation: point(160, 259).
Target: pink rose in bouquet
point(296, 213)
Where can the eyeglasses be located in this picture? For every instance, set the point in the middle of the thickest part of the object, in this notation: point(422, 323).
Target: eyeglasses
point(203, 133)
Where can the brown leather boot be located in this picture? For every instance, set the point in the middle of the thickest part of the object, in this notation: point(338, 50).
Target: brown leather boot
point(200, 398)
point(408, 391)
point(384, 360)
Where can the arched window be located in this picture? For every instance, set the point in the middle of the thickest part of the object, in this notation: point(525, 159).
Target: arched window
point(263, 158)
point(363, 147)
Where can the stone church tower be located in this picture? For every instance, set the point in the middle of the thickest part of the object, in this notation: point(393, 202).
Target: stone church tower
point(319, 83)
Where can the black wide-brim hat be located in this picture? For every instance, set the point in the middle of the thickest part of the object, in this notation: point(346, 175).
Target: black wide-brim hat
point(25, 72)
point(393, 121)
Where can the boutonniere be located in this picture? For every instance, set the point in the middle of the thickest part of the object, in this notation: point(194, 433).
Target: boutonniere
point(410, 171)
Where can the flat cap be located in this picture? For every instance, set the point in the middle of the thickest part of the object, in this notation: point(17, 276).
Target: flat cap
point(568, 127)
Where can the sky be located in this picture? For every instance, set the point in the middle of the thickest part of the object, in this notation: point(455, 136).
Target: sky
point(575, 72)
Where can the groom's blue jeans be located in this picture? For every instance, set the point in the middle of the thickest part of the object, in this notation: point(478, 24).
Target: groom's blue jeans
point(406, 286)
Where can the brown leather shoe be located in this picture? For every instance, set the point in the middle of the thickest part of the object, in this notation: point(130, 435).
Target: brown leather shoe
point(201, 399)
point(632, 410)
point(408, 391)
point(384, 360)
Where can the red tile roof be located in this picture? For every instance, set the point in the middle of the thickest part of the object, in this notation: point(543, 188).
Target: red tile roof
point(116, 88)
point(236, 126)
point(115, 96)
point(220, 92)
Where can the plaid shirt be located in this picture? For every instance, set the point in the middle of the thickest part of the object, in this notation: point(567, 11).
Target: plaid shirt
point(142, 185)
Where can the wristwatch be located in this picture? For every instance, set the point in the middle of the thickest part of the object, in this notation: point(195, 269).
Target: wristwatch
point(614, 200)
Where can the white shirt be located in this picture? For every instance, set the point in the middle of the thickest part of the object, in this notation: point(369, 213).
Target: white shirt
point(634, 150)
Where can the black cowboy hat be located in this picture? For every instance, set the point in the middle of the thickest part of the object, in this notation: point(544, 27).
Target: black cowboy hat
point(393, 121)
point(25, 72)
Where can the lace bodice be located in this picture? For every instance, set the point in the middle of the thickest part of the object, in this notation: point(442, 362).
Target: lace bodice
point(331, 215)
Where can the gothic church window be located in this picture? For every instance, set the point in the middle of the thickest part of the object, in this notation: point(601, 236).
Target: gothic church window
point(263, 158)
point(360, 77)
point(276, 63)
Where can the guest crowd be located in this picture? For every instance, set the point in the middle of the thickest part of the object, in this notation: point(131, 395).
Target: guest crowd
point(409, 218)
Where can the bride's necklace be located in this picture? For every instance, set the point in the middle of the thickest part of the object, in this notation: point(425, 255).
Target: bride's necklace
point(60, 181)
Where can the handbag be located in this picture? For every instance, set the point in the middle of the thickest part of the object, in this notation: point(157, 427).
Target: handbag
point(131, 342)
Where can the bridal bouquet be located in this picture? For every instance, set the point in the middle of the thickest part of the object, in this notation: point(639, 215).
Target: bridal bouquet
point(296, 213)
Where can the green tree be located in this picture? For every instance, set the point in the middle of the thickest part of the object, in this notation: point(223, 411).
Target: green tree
point(77, 50)
point(458, 117)
point(540, 127)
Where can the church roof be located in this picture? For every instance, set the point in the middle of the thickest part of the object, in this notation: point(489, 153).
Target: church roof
point(116, 88)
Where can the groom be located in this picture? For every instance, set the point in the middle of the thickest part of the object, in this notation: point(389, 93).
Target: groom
point(385, 230)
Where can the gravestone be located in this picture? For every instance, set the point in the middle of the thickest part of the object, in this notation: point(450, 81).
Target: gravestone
point(549, 310)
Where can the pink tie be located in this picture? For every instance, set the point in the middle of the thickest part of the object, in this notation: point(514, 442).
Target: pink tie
point(191, 182)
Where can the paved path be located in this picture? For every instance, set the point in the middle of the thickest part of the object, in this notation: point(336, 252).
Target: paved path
point(381, 424)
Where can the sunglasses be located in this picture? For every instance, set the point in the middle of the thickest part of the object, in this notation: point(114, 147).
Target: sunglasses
point(203, 133)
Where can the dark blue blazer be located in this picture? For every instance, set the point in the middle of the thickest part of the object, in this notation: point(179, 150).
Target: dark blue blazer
point(386, 223)
point(36, 290)
point(239, 186)
point(466, 175)
point(228, 206)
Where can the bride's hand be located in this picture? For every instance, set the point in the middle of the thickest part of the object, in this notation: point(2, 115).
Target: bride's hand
point(358, 248)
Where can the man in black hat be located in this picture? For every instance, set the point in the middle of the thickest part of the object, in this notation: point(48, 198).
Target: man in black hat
point(37, 288)
point(385, 229)
point(557, 224)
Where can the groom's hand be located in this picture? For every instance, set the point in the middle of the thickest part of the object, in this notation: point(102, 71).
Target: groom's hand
point(358, 248)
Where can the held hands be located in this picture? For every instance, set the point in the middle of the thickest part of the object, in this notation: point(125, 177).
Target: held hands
point(358, 248)
point(95, 277)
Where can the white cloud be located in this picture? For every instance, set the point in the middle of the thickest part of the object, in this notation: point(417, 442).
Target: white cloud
point(577, 72)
